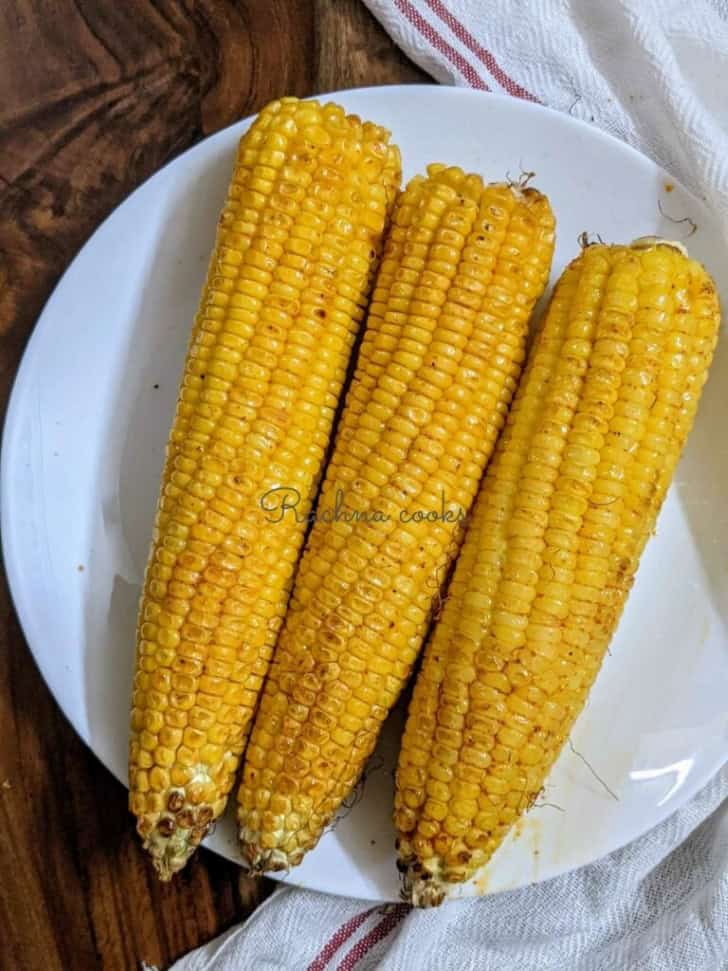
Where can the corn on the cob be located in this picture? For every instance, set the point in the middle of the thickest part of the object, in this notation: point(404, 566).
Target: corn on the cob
point(286, 289)
point(462, 269)
point(567, 504)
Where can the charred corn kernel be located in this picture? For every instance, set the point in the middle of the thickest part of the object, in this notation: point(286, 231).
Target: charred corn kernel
point(540, 585)
point(296, 248)
point(463, 266)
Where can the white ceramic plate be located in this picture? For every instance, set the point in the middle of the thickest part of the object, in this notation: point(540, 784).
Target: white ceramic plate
point(83, 449)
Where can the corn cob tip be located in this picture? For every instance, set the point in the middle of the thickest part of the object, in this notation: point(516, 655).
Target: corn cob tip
point(256, 861)
point(647, 242)
point(172, 839)
point(420, 887)
point(169, 853)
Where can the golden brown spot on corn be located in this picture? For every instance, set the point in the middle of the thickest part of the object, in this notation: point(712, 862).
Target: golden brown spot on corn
point(555, 539)
point(296, 247)
point(462, 267)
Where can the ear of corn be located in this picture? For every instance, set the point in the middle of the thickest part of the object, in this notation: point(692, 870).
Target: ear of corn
point(463, 266)
point(286, 289)
point(567, 504)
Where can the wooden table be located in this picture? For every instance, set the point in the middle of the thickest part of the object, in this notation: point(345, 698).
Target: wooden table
point(94, 97)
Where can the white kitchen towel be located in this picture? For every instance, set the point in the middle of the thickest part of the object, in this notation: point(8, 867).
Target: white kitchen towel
point(658, 904)
point(654, 73)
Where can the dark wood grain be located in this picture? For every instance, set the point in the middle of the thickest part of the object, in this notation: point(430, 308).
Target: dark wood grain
point(96, 95)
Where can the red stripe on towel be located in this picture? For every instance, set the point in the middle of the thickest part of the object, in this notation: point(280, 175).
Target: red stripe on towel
point(385, 927)
point(340, 937)
point(484, 55)
point(441, 45)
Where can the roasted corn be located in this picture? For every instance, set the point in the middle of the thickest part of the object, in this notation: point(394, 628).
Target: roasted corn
point(296, 248)
point(567, 504)
point(463, 266)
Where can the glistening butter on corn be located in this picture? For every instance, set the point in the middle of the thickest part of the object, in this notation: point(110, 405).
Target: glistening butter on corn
point(464, 264)
point(296, 248)
point(571, 496)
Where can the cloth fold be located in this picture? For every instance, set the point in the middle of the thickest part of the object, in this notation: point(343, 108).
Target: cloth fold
point(655, 74)
point(652, 72)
